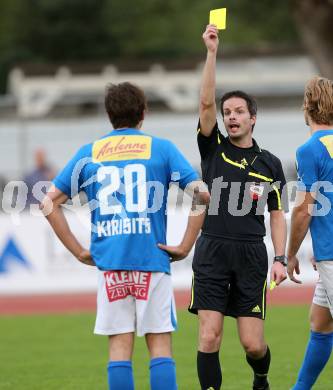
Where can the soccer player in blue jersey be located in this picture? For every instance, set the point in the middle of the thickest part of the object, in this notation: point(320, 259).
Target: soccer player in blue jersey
point(314, 211)
point(126, 176)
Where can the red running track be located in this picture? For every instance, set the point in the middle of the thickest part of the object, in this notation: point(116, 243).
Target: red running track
point(81, 303)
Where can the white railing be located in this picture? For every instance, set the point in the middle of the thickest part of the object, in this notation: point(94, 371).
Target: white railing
point(37, 95)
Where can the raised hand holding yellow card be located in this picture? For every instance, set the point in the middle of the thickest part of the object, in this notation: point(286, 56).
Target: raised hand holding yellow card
point(273, 285)
point(219, 18)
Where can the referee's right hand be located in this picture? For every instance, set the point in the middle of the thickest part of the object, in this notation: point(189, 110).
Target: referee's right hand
point(211, 38)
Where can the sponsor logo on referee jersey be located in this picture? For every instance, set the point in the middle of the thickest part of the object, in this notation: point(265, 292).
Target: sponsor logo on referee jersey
point(122, 147)
point(256, 191)
point(121, 284)
point(244, 162)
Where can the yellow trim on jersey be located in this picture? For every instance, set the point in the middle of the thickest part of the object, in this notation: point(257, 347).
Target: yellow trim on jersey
point(218, 138)
point(192, 291)
point(226, 159)
point(263, 300)
point(278, 197)
point(327, 141)
point(260, 176)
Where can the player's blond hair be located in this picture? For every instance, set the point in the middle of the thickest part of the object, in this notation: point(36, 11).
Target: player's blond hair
point(318, 100)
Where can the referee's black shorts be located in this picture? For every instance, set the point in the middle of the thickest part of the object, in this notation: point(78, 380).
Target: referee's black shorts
point(230, 277)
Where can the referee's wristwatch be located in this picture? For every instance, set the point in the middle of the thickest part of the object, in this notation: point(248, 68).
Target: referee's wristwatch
point(281, 259)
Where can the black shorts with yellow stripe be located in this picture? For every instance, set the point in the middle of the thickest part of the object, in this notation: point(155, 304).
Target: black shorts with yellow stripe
point(230, 277)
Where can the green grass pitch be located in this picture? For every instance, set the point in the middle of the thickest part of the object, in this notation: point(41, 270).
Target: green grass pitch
point(60, 352)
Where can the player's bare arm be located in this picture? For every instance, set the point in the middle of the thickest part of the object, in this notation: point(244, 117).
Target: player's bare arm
point(207, 108)
point(279, 238)
point(300, 222)
point(52, 209)
point(200, 200)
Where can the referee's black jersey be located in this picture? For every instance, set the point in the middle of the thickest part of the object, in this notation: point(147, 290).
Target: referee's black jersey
point(242, 181)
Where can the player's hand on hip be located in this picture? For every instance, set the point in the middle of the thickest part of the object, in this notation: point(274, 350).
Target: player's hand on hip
point(293, 265)
point(313, 262)
point(211, 38)
point(176, 253)
point(85, 258)
point(278, 273)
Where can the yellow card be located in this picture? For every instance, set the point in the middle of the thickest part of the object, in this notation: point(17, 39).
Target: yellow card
point(219, 18)
point(273, 285)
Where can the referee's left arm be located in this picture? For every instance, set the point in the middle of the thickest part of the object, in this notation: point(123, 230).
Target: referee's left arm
point(278, 231)
point(277, 206)
point(279, 238)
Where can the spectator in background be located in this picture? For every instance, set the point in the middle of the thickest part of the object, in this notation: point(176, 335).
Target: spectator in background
point(41, 173)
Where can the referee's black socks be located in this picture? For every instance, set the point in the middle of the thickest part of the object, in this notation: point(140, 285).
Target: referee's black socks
point(260, 368)
point(209, 370)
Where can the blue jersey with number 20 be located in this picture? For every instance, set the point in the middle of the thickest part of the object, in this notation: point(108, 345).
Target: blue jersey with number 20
point(126, 176)
point(315, 174)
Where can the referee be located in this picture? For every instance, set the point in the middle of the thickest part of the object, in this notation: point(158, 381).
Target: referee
point(230, 262)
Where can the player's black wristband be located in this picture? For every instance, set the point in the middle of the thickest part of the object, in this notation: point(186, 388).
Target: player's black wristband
point(281, 259)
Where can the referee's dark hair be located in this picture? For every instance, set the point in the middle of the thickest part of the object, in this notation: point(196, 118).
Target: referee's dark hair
point(250, 101)
point(125, 104)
